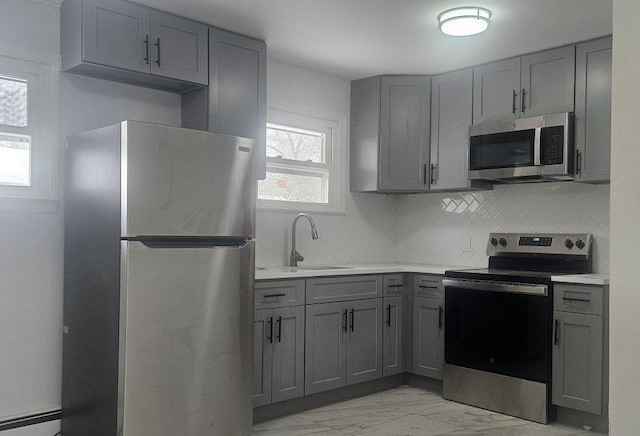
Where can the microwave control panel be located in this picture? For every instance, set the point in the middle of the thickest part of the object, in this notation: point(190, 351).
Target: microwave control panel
point(552, 145)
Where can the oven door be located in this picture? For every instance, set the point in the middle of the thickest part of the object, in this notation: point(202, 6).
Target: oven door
point(499, 328)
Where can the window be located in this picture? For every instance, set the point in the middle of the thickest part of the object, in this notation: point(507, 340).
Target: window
point(305, 162)
point(28, 133)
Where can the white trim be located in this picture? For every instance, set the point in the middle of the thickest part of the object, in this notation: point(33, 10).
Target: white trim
point(337, 122)
point(28, 205)
point(54, 3)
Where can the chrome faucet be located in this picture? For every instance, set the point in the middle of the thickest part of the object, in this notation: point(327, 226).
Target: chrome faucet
point(295, 256)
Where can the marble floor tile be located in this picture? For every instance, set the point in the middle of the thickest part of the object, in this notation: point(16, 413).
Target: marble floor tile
point(407, 411)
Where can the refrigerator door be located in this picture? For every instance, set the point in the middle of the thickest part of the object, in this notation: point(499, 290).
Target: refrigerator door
point(186, 340)
point(182, 182)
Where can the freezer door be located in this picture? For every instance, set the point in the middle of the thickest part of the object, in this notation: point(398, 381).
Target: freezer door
point(186, 340)
point(182, 182)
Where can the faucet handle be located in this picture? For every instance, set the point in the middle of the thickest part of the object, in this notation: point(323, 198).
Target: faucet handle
point(298, 256)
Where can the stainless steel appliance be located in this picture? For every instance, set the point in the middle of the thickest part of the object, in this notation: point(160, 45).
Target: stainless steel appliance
point(498, 322)
point(158, 288)
point(536, 148)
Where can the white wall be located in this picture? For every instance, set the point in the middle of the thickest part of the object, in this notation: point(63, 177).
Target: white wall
point(624, 321)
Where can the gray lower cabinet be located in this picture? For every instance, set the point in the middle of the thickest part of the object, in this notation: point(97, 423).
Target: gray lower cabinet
point(393, 336)
point(536, 84)
point(428, 337)
point(451, 112)
point(278, 355)
point(343, 344)
point(123, 41)
point(593, 111)
point(390, 134)
point(579, 348)
point(235, 103)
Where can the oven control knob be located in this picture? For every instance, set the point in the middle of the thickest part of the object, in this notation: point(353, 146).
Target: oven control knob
point(494, 242)
point(503, 242)
point(568, 243)
point(580, 244)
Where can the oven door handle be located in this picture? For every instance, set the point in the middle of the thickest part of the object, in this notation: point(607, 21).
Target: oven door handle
point(483, 285)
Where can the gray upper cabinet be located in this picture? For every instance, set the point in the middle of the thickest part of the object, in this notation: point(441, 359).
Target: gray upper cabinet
point(235, 103)
point(495, 91)
point(593, 111)
point(119, 40)
point(180, 48)
point(390, 134)
point(537, 84)
point(451, 111)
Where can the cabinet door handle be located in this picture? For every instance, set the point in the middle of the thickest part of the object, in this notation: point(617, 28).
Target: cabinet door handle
point(440, 324)
point(279, 329)
point(513, 102)
point(270, 337)
point(584, 300)
point(389, 315)
point(578, 161)
point(433, 174)
point(522, 100)
point(424, 175)
point(352, 318)
point(274, 295)
point(555, 335)
point(158, 51)
point(146, 49)
point(345, 320)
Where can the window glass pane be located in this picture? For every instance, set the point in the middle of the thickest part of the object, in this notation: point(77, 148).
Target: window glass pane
point(295, 144)
point(15, 160)
point(309, 188)
point(13, 102)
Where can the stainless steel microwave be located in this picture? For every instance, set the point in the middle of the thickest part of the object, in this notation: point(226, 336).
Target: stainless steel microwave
point(537, 148)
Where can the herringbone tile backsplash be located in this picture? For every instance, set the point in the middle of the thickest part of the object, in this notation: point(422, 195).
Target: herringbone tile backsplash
point(450, 229)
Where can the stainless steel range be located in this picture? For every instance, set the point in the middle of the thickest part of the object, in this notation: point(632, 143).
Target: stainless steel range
point(498, 322)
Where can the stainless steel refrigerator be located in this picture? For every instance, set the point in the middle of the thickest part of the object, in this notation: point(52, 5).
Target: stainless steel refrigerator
point(158, 287)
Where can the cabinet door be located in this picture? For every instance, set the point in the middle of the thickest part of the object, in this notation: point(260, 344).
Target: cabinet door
point(404, 133)
point(325, 347)
point(114, 34)
point(593, 111)
point(364, 343)
point(288, 353)
point(577, 361)
point(548, 82)
point(238, 89)
point(262, 357)
point(451, 110)
point(496, 91)
point(178, 48)
point(393, 336)
point(428, 337)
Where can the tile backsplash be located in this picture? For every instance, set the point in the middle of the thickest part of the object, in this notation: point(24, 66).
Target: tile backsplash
point(449, 228)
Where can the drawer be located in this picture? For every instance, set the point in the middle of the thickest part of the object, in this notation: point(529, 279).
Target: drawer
point(393, 284)
point(280, 293)
point(430, 286)
point(578, 299)
point(328, 289)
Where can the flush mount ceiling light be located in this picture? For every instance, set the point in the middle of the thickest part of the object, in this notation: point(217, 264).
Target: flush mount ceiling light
point(464, 21)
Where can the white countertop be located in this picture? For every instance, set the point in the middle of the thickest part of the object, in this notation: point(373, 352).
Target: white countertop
point(583, 279)
point(270, 273)
point(275, 273)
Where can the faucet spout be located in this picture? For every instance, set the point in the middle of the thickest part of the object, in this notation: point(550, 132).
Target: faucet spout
point(295, 257)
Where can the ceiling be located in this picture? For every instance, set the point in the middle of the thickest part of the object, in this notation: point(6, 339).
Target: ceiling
point(359, 38)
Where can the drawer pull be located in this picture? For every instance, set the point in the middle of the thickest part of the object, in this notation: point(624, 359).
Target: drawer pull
point(274, 295)
point(396, 286)
point(584, 300)
point(427, 287)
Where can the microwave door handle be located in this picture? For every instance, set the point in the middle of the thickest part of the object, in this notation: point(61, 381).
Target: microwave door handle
point(536, 146)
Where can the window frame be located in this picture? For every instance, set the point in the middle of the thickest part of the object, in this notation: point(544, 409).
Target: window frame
point(40, 69)
point(334, 124)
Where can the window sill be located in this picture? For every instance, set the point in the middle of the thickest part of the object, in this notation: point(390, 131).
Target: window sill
point(280, 207)
point(29, 205)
